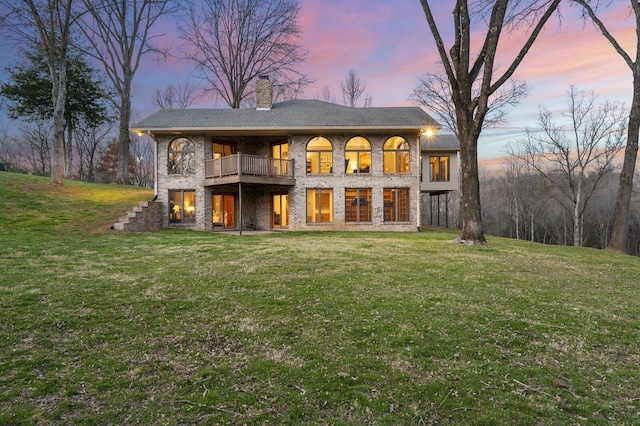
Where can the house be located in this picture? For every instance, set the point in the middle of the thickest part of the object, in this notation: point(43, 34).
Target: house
point(297, 165)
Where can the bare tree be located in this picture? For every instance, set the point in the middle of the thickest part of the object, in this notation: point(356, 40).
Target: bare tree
point(433, 92)
point(620, 225)
point(326, 94)
point(142, 151)
point(89, 140)
point(35, 140)
point(119, 35)
point(179, 96)
point(602, 209)
point(575, 157)
point(8, 153)
point(47, 25)
point(462, 71)
point(232, 42)
point(353, 88)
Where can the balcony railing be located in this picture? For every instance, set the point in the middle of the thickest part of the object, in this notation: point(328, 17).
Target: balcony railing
point(248, 165)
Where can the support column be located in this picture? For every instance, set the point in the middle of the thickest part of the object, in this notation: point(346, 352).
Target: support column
point(241, 220)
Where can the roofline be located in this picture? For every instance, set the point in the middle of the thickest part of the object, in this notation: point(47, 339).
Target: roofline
point(275, 130)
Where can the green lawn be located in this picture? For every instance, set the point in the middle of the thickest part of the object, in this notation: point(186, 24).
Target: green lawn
point(180, 327)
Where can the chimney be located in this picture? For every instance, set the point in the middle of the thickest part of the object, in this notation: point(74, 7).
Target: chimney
point(264, 93)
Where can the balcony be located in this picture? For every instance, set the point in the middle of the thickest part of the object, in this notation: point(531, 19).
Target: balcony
point(246, 168)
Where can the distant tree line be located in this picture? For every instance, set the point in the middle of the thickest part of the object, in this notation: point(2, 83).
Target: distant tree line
point(527, 206)
point(96, 153)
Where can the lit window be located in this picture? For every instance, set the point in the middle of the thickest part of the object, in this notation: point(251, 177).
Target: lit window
point(223, 149)
point(280, 153)
point(181, 157)
point(224, 210)
point(357, 156)
point(396, 204)
point(439, 169)
point(319, 205)
point(319, 156)
point(396, 155)
point(182, 206)
point(357, 205)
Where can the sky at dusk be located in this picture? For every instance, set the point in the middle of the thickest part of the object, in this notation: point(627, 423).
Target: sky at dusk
point(389, 45)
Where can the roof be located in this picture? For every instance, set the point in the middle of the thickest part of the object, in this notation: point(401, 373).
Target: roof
point(438, 142)
point(294, 116)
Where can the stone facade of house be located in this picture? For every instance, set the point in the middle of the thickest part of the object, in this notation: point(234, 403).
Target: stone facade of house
point(257, 200)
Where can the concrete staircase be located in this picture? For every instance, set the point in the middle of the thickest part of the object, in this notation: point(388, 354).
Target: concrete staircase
point(145, 217)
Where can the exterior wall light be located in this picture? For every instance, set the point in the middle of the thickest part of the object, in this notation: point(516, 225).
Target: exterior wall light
point(428, 132)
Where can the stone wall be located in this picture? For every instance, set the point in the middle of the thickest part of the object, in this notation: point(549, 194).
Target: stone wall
point(339, 180)
point(145, 217)
point(257, 199)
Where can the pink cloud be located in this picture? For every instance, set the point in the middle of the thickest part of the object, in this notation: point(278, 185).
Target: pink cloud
point(389, 44)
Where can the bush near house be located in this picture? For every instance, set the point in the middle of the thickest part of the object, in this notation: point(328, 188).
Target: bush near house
point(180, 327)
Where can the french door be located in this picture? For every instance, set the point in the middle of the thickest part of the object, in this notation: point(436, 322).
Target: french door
point(280, 211)
point(224, 211)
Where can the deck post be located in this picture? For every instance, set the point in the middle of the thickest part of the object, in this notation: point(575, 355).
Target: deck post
point(240, 222)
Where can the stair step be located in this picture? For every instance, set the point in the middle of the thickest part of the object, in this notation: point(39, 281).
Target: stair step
point(137, 214)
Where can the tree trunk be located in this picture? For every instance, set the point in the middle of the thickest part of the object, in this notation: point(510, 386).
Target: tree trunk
point(618, 241)
point(472, 230)
point(533, 232)
point(59, 95)
point(68, 151)
point(125, 139)
point(577, 228)
point(577, 237)
point(515, 197)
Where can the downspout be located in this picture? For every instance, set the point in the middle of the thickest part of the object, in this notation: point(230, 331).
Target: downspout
point(418, 198)
point(155, 166)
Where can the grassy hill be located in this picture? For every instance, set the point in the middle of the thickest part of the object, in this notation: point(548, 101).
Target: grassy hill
point(179, 327)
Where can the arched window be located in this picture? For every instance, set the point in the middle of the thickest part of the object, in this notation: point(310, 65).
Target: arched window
point(319, 156)
point(357, 155)
point(182, 155)
point(396, 155)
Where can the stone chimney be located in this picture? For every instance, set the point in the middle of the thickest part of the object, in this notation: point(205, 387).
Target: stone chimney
point(264, 93)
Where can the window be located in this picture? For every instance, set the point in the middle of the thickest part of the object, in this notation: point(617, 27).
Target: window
point(396, 204)
point(439, 169)
point(357, 156)
point(319, 156)
point(224, 210)
point(280, 208)
point(182, 206)
point(357, 205)
point(280, 152)
point(181, 157)
point(396, 155)
point(319, 205)
point(223, 149)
